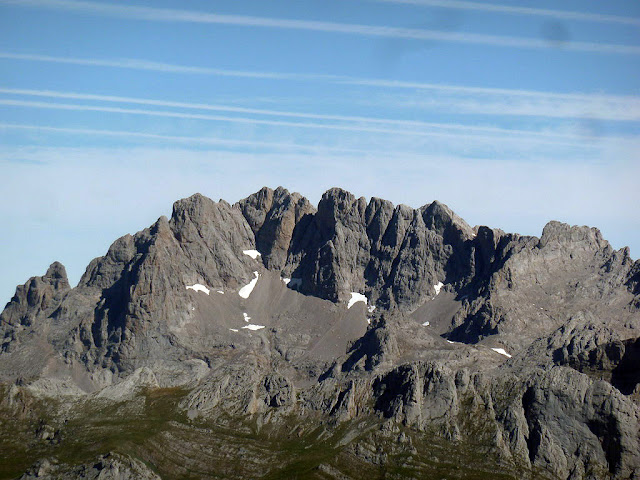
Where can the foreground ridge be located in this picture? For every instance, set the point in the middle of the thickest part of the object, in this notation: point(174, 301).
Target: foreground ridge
point(353, 340)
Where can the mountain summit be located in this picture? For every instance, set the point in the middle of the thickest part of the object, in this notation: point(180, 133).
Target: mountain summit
point(273, 339)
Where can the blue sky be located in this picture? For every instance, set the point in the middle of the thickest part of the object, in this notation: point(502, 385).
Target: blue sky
point(512, 113)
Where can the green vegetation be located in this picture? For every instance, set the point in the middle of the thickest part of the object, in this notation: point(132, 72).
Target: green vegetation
point(154, 430)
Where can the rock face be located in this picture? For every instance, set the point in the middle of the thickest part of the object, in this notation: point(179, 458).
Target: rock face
point(38, 297)
point(273, 216)
point(377, 334)
point(106, 467)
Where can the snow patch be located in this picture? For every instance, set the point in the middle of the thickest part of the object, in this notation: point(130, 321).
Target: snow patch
point(220, 291)
point(252, 253)
point(356, 297)
point(253, 327)
point(247, 289)
point(501, 351)
point(197, 287)
point(246, 317)
point(368, 321)
point(234, 330)
point(449, 341)
point(437, 287)
point(371, 308)
point(425, 324)
point(286, 280)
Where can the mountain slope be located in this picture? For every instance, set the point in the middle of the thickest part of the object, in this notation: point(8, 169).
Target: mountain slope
point(364, 339)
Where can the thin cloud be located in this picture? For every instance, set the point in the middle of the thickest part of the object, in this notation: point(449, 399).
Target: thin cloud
point(597, 108)
point(175, 138)
point(508, 9)
point(632, 102)
point(549, 104)
point(269, 112)
point(139, 64)
point(281, 149)
point(187, 16)
point(456, 131)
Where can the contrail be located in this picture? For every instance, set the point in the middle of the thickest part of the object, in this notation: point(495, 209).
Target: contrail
point(541, 12)
point(627, 107)
point(139, 64)
point(174, 15)
point(213, 107)
point(458, 130)
point(201, 106)
point(176, 138)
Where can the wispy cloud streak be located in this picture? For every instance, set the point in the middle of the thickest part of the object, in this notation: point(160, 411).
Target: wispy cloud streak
point(509, 9)
point(550, 104)
point(268, 112)
point(187, 16)
point(177, 138)
point(140, 64)
point(455, 131)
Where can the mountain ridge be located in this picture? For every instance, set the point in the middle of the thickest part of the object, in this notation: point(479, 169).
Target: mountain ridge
point(444, 315)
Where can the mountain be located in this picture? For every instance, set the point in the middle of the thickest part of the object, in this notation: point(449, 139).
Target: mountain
point(272, 339)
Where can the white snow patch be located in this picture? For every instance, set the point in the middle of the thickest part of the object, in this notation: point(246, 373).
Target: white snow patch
point(252, 253)
point(368, 321)
point(193, 308)
point(425, 324)
point(247, 289)
point(234, 330)
point(449, 341)
point(246, 317)
point(356, 297)
point(371, 308)
point(197, 287)
point(501, 351)
point(286, 280)
point(220, 291)
point(438, 287)
point(253, 327)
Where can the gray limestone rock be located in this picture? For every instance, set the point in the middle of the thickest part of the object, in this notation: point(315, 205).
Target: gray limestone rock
point(273, 217)
point(40, 296)
point(524, 348)
point(111, 466)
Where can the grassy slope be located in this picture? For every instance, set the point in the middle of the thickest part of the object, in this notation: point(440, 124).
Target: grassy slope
point(152, 429)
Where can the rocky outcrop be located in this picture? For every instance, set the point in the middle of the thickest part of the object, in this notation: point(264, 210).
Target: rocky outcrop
point(533, 285)
point(273, 216)
point(106, 467)
point(393, 254)
point(580, 428)
point(39, 297)
point(559, 421)
point(377, 347)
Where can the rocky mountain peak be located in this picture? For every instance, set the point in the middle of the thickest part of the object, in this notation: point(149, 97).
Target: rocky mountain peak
point(273, 317)
point(273, 216)
point(575, 237)
point(38, 296)
point(256, 207)
point(339, 206)
point(57, 276)
point(442, 220)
